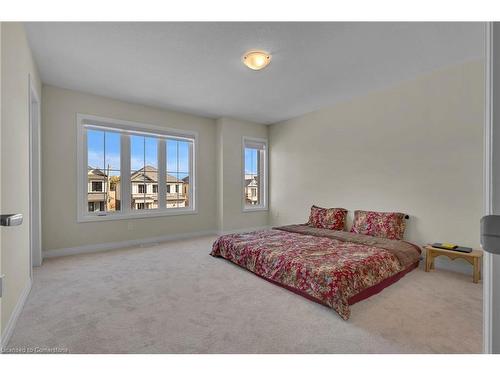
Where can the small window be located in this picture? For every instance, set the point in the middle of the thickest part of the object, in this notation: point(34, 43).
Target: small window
point(142, 189)
point(155, 188)
point(254, 174)
point(96, 186)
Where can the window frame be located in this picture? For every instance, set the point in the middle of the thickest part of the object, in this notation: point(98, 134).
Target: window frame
point(263, 185)
point(131, 127)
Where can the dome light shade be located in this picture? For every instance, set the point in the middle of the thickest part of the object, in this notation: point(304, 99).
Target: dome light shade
point(256, 60)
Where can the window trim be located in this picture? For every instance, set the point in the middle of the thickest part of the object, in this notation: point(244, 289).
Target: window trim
point(131, 127)
point(264, 181)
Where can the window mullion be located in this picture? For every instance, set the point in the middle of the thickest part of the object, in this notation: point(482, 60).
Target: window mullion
point(162, 174)
point(191, 191)
point(85, 171)
point(125, 181)
point(258, 169)
point(262, 177)
point(144, 172)
point(105, 182)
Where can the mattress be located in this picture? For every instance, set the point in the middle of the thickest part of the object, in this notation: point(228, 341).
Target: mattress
point(335, 268)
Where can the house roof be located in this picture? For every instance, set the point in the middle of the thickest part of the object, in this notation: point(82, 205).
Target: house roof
point(150, 173)
point(96, 172)
point(250, 181)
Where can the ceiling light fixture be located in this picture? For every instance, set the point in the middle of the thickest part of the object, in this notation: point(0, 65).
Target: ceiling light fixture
point(256, 60)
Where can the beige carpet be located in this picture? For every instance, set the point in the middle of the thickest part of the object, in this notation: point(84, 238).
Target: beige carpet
point(175, 298)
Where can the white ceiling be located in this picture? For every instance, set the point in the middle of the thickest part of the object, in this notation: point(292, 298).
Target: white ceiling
point(196, 67)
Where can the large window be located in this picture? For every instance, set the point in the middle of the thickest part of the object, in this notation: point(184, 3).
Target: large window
point(254, 174)
point(128, 169)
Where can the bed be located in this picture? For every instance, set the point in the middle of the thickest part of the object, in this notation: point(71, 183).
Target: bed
point(334, 268)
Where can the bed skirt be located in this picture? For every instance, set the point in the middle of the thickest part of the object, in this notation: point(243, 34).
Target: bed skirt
point(364, 294)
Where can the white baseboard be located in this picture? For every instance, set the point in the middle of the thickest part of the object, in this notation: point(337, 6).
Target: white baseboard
point(243, 230)
point(11, 324)
point(94, 248)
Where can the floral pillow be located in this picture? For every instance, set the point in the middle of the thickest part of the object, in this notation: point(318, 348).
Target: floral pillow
point(389, 225)
point(327, 218)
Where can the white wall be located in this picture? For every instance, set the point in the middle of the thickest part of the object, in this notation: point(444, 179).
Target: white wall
point(415, 148)
point(60, 229)
point(17, 66)
point(230, 135)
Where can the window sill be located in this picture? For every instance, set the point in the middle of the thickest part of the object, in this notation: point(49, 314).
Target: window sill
point(254, 209)
point(136, 215)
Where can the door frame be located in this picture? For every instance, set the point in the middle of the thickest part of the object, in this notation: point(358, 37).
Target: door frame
point(34, 177)
point(488, 186)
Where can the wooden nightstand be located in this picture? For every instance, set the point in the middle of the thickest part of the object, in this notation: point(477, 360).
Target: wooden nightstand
point(474, 258)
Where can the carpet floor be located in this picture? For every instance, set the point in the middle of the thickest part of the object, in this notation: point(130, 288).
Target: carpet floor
point(175, 298)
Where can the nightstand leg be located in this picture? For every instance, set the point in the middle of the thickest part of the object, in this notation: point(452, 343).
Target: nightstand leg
point(476, 271)
point(427, 261)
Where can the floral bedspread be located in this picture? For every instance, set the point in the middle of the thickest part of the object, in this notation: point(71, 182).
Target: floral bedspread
point(327, 269)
